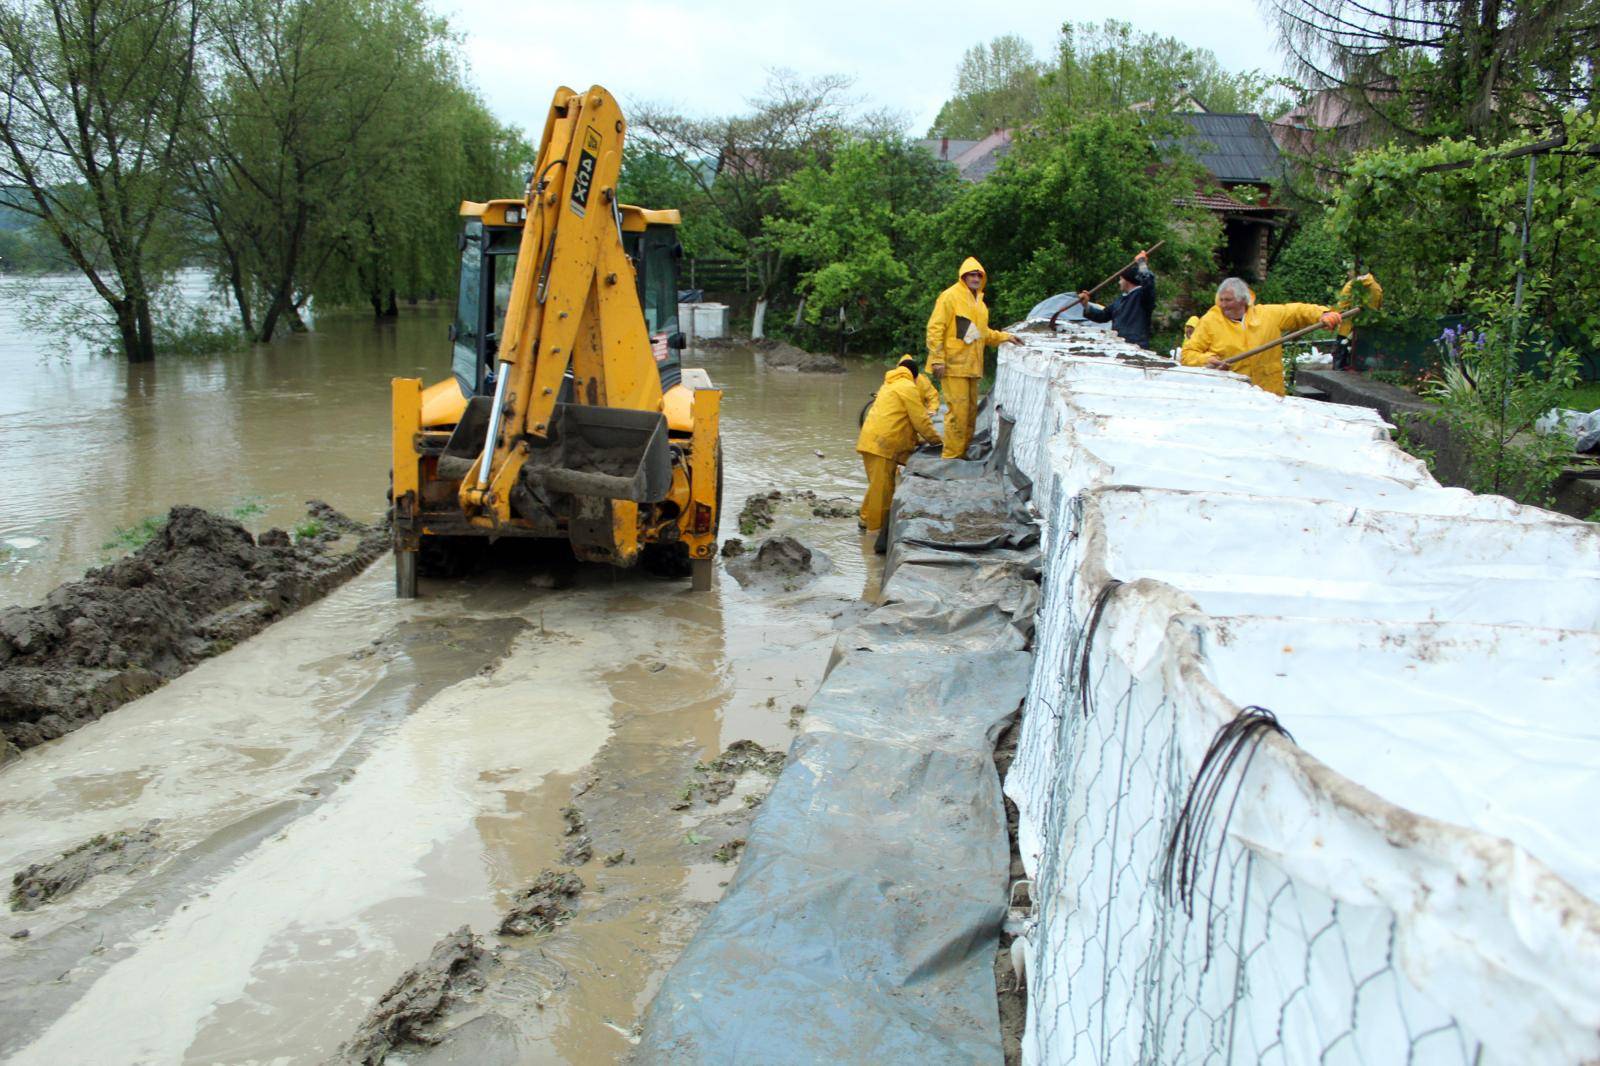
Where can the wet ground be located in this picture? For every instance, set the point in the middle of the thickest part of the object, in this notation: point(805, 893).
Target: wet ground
point(332, 796)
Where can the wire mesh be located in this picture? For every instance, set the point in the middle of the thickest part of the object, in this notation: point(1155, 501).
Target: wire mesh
point(1260, 969)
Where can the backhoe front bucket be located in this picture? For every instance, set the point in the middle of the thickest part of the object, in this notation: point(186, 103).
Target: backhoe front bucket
point(611, 452)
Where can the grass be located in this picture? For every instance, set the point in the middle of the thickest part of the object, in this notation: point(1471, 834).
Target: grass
point(307, 529)
point(248, 508)
point(1585, 397)
point(136, 536)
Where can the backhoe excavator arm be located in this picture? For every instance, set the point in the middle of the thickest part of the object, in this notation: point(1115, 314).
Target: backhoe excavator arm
point(574, 303)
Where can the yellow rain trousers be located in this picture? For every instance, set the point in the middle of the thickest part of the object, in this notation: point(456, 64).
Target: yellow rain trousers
point(1222, 337)
point(895, 422)
point(958, 330)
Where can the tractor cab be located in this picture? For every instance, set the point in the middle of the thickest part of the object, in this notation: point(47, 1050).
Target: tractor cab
point(489, 243)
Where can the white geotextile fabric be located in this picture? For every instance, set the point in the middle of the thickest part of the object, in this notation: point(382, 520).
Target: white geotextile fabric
point(1434, 655)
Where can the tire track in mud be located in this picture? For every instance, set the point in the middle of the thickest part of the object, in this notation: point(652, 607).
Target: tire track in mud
point(52, 971)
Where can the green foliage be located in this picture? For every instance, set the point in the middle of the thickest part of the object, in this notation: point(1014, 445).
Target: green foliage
point(1582, 397)
point(856, 228)
point(338, 175)
point(1098, 69)
point(311, 527)
point(1310, 268)
point(97, 97)
point(1069, 207)
point(248, 508)
point(1433, 236)
point(131, 538)
point(652, 178)
point(1494, 413)
point(997, 87)
point(1111, 67)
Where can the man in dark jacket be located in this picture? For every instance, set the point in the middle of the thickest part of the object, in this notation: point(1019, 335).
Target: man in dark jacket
point(1129, 314)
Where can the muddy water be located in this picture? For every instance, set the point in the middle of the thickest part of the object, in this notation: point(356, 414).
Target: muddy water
point(337, 793)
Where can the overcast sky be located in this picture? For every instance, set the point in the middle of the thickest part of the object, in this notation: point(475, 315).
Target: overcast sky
point(711, 56)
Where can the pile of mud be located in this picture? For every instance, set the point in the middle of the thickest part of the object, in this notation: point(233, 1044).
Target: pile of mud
point(200, 585)
point(780, 355)
point(424, 994)
point(119, 852)
point(780, 562)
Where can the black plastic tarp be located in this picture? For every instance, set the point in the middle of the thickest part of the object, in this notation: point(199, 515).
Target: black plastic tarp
point(863, 923)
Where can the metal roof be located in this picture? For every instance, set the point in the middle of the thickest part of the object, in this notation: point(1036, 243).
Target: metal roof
point(1237, 147)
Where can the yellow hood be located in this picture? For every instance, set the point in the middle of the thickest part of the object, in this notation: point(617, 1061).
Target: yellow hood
point(898, 373)
point(968, 265)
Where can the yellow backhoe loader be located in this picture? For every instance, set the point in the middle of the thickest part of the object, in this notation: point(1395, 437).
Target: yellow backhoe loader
point(568, 414)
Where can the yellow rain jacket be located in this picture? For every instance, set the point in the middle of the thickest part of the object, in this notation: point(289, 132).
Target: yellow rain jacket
point(929, 394)
point(896, 420)
point(1220, 336)
point(959, 327)
point(1347, 298)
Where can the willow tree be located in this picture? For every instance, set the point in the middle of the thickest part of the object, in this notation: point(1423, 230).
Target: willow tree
point(318, 106)
point(96, 94)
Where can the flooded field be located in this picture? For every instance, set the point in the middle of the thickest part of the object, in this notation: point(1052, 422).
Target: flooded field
point(332, 796)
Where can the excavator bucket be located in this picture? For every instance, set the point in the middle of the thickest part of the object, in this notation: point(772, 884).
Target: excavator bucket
point(610, 452)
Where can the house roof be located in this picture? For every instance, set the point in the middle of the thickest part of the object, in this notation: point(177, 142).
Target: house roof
point(1232, 147)
point(973, 160)
point(946, 149)
point(1223, 204)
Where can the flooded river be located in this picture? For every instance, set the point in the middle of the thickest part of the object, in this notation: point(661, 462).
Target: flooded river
point(334, 795)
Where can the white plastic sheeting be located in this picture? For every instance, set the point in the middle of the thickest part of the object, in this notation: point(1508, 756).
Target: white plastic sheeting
point(1413, 876)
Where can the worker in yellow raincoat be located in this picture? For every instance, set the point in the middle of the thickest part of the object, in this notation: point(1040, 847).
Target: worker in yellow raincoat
point(1237, 323)
point(958, 329)
point(1344, 357)
point(897, 419)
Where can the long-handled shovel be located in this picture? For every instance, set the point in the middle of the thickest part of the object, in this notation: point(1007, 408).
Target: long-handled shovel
point(1295, 335)
point(1077, 300)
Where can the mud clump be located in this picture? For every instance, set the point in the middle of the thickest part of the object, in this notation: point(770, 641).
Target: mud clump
point(779, 355)
point(124, 851)
point(744, 755)
point(731, 548)
point(780, 561)
point(424, 993)
point(543, 905)
point(198, 587)
point(758, 513)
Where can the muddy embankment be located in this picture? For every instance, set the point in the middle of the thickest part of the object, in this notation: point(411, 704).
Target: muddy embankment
point(198, 587)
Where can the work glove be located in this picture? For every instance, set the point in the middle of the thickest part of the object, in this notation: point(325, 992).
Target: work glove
point(1331, 319)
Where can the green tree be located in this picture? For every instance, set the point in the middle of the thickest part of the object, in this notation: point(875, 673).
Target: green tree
point(857, 226)
point(315, 153)
point(997, 87)
point(1310, 268)
point(1112, 67)
point(96, 96)
point(739, 163)
point(1066, 209)
point(1440, 222)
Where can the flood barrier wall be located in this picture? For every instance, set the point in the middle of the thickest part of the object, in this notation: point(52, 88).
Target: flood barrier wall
point(1306, 766)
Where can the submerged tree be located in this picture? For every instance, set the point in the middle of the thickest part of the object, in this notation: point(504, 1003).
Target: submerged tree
point(96, 96)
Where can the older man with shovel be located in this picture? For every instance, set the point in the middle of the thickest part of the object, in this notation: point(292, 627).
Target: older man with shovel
point(1238, 326)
